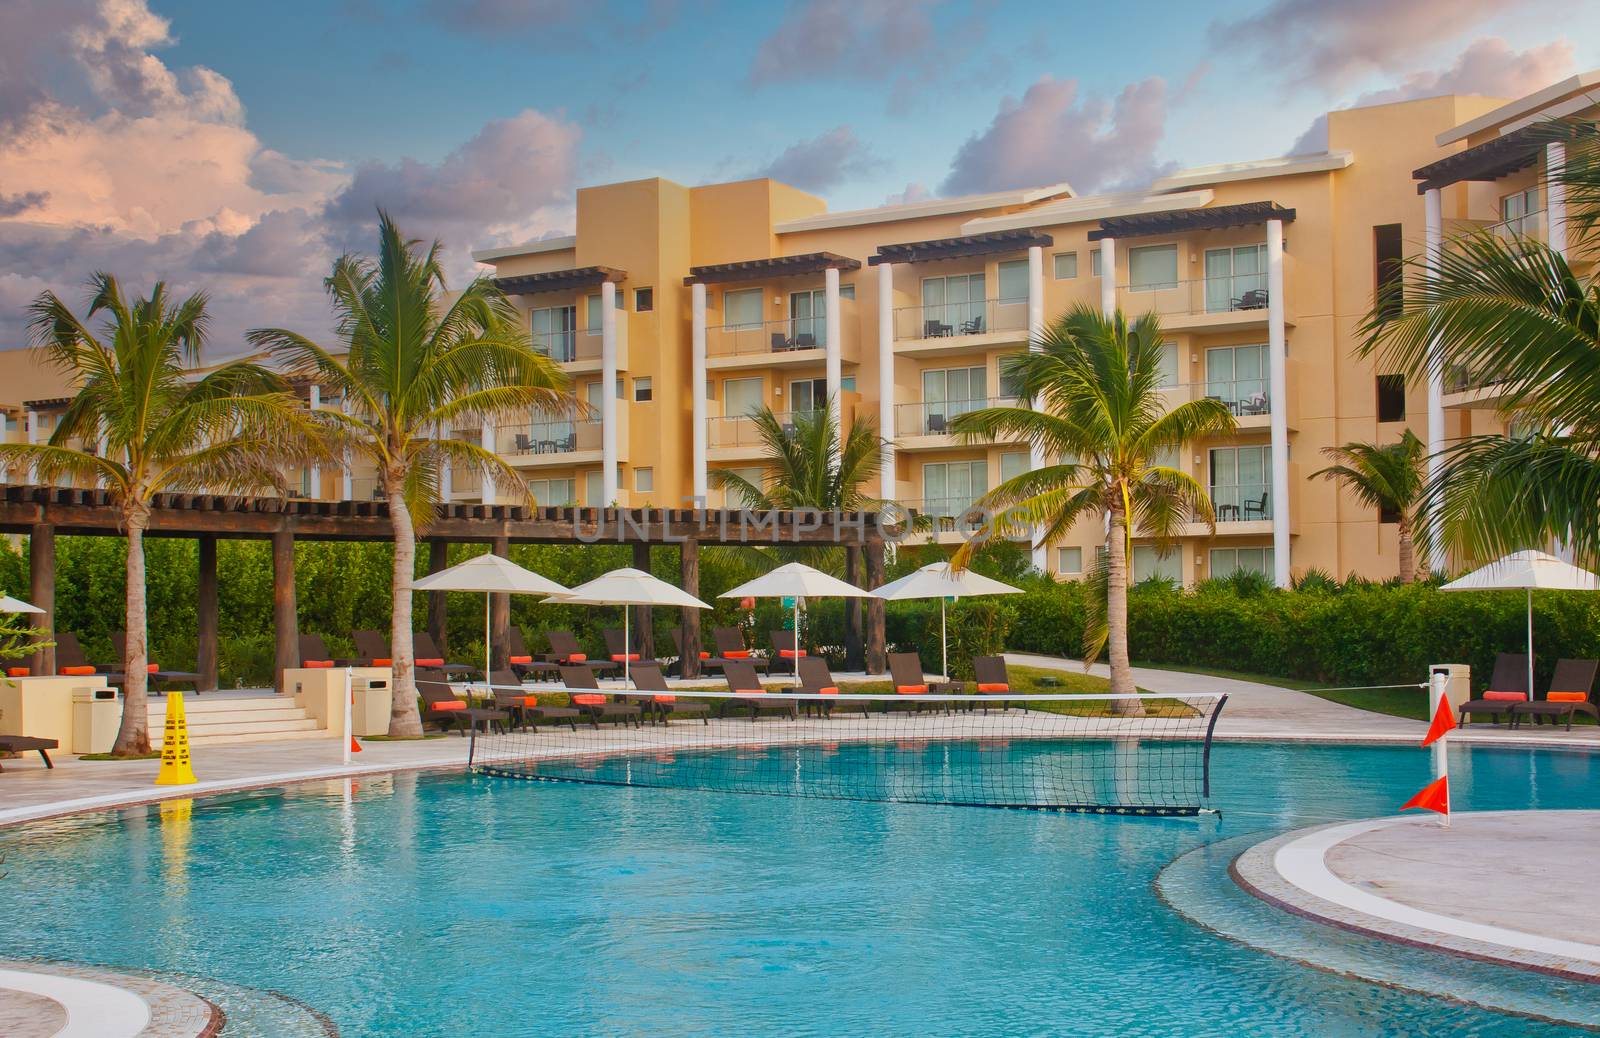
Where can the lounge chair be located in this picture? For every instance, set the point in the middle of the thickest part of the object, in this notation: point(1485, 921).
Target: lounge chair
point(584, 692)
point(1571, 692)
point(751, 695)
point(426, 654)
point(707, 661)
point(991, 678)
point(24, 743)
point(1508, 685)
point(905, 672)
point(314, 653)
point(728, 642)
point(618, 649)
point(372, 648)
point(817, 680)
point(119, 644)
point(565, 651)
point(70, 659)
point(440, 705)
point(647, 677)
point(522, 662)
point(524, 708)
point(783, 650)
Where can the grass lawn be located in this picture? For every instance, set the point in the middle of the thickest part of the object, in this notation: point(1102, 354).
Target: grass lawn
point(1396, 702)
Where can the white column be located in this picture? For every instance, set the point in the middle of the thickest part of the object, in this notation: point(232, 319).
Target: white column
point(316, 470)
point(1041, 551)
point(32, 418)
point(608, 390)
point(447, 490)
point(886, 383)
point(486, 441)
point(1108, 276)
point(1277, 359)
point(1555, 192)
point(347, 477)
point(1433, 244)
point(830, 291)
point(697, 390)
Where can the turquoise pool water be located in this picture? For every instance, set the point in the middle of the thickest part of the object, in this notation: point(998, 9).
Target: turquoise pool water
point(466, 906)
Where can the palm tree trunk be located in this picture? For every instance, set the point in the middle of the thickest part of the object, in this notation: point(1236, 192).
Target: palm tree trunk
point(1117, 617)
point(133, 735)
point(404, 721)
point(1407, 554)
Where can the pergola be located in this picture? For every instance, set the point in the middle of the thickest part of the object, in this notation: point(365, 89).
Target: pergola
point(42, 513)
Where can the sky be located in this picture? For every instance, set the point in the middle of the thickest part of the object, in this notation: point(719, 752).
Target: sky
point(238, 148)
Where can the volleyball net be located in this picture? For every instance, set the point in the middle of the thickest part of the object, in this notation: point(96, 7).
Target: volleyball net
point(1136, 754)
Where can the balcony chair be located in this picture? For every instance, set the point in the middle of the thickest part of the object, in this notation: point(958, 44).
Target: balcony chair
point(935, 329)
point(1256, 508)
point(1254, 299)
point(1254, 404)
point(781, 343)
point(972, 327)
point(524, 443)
point(937, 425)
point(805, 341)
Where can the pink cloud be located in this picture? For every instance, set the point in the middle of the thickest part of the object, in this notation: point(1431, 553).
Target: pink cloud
point(858, 38)
point(822, 162)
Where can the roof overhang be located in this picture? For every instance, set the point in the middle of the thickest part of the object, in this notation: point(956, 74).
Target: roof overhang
point(1490, 160)
point(963, 246)
point(772, 267)
point(1526, 105)
point(1213, 218)
point(930, 207)
point(55, 403)
point(558, 280)
point(1232, 172)
point(1089, 209)
point(530, 248)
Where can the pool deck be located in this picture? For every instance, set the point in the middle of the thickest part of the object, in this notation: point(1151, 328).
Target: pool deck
point(1493, 885)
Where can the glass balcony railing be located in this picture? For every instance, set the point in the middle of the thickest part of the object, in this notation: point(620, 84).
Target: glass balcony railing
point(956, 320)
point(367, 488)
point(561, 436)
point(1458, 379)
point(560, 346)
point(933, 417)
point(1245, 397)
point(945, 510)
point(1212, 295)
point(1528, 225)
point(742, 431)
point(1241, 503)
point(786, 336)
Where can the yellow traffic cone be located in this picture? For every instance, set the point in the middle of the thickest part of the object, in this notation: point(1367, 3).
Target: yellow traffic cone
point(175, 768)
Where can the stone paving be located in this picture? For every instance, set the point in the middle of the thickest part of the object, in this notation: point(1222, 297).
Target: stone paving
point(172, 1012)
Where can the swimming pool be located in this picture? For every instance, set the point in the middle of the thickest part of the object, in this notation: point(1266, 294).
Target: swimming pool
point(459, 905)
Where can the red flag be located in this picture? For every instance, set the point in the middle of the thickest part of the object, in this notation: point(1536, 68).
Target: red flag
point(1435, 796)
point(1444, 719)
point(355, 747)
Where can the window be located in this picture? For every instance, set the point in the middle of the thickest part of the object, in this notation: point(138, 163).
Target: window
point(1094, 262)
point(1389, 270)
point(1225, 562)
point(1014, 464)
point(552, 493)
point(1069, 560)
point(742, 396)
point(594, 493)
point(644, 300)
point(950, 488)
point(742, 309)
point(553, 329)
point(1014, 281)
point(1519, 212)
point(755, 475)
point(1241, 483)
point(1149, 564)
point(808, 318)
point(1066, 266)
point(1169, 365)
point(947, 392)
point(1236, 279)
point(1010, 381)
point(847, 291)
point(1391, 398)
point(591, 315)
point(952, 305)
point(1237, 375)
point(808, 394)
point(1152, 267)
point(591, 395)
point(644, 480)
point(642, 392)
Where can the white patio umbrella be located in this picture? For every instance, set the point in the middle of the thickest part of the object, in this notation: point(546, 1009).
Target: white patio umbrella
point(796, 580)
point(629, 587)
point(492, 575)
point(936, 580)
point(1530, 571)
point(17, 605)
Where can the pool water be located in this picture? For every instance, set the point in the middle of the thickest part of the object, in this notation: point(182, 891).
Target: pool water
point(456, 905)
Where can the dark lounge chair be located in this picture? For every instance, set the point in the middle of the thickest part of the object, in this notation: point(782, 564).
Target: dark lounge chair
point(565, 650)
point(991, 678)
point(647, 677)
point(314, 653)
point(905, 672)
point(426, 654)
point(24, 743)
point(522, 662)
point(1571, 692)
point(372, 648)
point(119, 645)
point(440, 705)
point(783, 650)
point(591, 702)
point(70, 659)
point(1508, 685)
point(707, 661)
point(524, 708)
point(617, 647)
point(817, 680)
point(728, 643)
point(751, 695)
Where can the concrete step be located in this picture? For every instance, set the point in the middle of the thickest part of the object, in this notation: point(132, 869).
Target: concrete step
point(205, 717)
point(233, 740)
point(236, 719)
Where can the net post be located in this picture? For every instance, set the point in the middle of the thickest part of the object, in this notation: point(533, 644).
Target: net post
point(1205, 756)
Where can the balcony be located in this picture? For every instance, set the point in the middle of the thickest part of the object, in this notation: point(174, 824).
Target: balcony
point(1227, 303)
point(952, 328)
point(1248, 398)
point(1474, 390)
point(579, 350)
point(942, 520)
point(1529, 225)
point(559, 443)
point(925, 425)
point(794, 341)
point(735, 438)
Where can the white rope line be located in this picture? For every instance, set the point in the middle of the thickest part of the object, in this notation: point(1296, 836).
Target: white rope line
point(1368, 688)
point(781, 692)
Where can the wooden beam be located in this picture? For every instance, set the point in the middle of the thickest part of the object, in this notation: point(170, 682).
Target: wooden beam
point(853, 658)
point(644, 630)
point(285, 619)
point(206, 614)
point(500, 614)
point(689, 624)
point(42, 592)
point(438, 559)
point(876, 660)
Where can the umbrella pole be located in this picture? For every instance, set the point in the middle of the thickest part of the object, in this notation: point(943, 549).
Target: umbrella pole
point(944, 642)
point(488, 649)
point(627, 645)
point(1530, 645)
point(796, 660)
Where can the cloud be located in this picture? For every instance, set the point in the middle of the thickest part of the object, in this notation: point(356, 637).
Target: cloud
point(914, 192)
point(823, 162)
point(1488, 67)
point(16, 205)
point(1333, 45)
point(863, 39)
point(1053, 134)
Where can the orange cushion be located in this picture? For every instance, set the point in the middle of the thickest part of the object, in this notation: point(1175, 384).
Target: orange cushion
point(739, 654)
point(910, 690)
point(704, 655)
point(790, 654)
point(1567, 697)
point(521, 659)
point(382, 661)
point(316, 664)
point(997, 686)
point(430, 662)
point(22, 672)
point(77, 670)
point(750, 692)
point(1506, 697)
point(151, 668)
point(577, 657)
point(588, 698)
point(665, 699)
point(448, 705)
point(831, 690)
point(619, 657)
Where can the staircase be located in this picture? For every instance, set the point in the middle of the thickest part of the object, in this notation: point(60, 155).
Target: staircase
point(228, 717)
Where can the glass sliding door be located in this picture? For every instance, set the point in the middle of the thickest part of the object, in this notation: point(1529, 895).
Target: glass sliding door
point(948, 392)
point(1236, 279)
point(1241, 483)
point(1238, 376)
point(950, 488)
point(808, 318)
point(553, 330)
point(953, 305)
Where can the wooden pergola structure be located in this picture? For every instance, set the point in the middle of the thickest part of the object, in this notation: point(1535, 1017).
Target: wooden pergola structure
point(43, 513)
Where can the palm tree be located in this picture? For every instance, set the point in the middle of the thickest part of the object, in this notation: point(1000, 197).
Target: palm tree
point(1519, 310)
point(1389, 478)
point(1090, 398)
point(145, 426)
point(413, 362)
point(806, 464)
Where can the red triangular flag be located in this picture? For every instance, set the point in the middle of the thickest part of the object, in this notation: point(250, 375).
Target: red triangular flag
point(355, 747)
point(1435, 796)
point(1444, 719)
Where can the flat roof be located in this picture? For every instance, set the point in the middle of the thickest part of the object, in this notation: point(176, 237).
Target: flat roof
point(955, 248)
point(1490, 160)
point(528, 248)
point(1528, 104)
point(558, 280)
point(772, 267)
point(1088, 209)
point(1140, 225)
point(1231, 172)
point(931, 207)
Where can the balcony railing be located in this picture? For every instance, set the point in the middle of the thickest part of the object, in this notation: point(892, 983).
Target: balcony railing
point(1528, 225)
point(742, 430)
point(367, 488)
point(562, 436)
point(1242, 503)
point(1213, 295)
point(933, 417)
point(954, 320)
point(786, 336)
point(561, 347)
point(1245, 397)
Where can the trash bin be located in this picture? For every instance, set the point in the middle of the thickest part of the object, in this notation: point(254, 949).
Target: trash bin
point(96, 715)
point(369, 714)
point(1458, 682)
